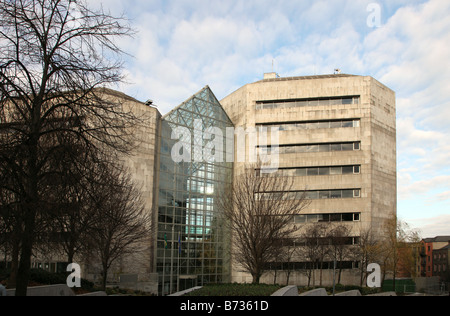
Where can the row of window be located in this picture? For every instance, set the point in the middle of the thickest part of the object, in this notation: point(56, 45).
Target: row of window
point(313, 148)
point(312, 125)
point(300, 266)
point(327, 218)
point(440, 268)
point(313, 195)
point(314, 171)
point(263, 105)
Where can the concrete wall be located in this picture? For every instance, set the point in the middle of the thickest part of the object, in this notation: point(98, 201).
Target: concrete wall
point(47, 290)
point(377, 134)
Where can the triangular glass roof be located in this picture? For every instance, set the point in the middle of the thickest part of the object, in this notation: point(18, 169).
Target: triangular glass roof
point(203, 105)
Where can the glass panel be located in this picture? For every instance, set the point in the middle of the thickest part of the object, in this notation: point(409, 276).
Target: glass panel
point(312, 148)
point(301, 172)
point(324, 102)
point(312, 195)
point(337, 124)
point(324, 171)
point(324, 218)
point(312, 218)
point(324, 194)
point(301, 103)
point(313, 171)
point(347, 217)
point(300, 219)
point(336, 194)
point(347, 124)
point(300, 149)
point(347, 170)
point(324, 124)
point(312, 125)
point(336, 170)
point(347, 101)
point(357, 146)
point(336, 217)
point(335, 102)
point(356, 169)
point(336, 147)
point(346, 194)
point(347, 147)
point(289, 150)
point(324, 148)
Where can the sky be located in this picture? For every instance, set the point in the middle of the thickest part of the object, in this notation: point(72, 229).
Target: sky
point(183, 45)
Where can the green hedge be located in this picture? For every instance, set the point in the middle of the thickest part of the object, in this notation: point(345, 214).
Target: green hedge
point(43, 277)
point(236, 289)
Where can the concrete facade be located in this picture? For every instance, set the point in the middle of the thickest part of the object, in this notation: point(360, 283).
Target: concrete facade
point(372, 109)
point(360, 112)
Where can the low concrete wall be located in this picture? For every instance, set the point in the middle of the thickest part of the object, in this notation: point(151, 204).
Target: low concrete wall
point(186, 291)
point(287, 291)
point(316, 292)
point(47, 290)
point(384, 294)
point(94, 294)
point(350, 293)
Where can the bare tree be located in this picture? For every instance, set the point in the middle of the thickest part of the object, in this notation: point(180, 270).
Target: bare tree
point(55, 54)
point(121, 225)
point(259, 211)
point(398, 248)
point(339, 247)
point(367, 251)
point(315, 249)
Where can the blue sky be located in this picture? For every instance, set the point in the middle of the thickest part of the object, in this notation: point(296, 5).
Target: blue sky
point(183, 45)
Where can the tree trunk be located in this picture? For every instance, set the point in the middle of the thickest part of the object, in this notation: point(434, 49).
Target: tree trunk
point(23, 272)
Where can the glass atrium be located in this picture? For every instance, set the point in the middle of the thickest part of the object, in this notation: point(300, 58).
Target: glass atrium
point(191, 243)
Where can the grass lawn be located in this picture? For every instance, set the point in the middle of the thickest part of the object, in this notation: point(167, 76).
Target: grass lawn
point(236, 290)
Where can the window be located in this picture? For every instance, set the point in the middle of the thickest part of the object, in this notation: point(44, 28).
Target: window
point(357, 146)
point(347, 147)
point(348, 217)
point(301, 172)
point(324, 148)
point(336, 170)
point(335, 217)
point(348, 124)
point(338, 124)
point(327, 218)
point(336, 194)
point(300, 219)
point(325, 195)
point(324, 171)
point(356, 169)
point(347, 170)
point(347, 194)
point(347, 101)
point(336, 147)
point(307, 102)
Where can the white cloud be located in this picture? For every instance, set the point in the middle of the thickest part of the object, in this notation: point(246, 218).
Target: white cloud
point(184, 45)
point(432, 227)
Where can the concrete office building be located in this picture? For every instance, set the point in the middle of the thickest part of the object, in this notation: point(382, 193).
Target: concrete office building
point(337, 139)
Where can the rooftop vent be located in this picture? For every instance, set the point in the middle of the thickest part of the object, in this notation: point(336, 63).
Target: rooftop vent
point(271, 75)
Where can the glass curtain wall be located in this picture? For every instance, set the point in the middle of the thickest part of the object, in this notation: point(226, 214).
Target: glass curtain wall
point(191, 244)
